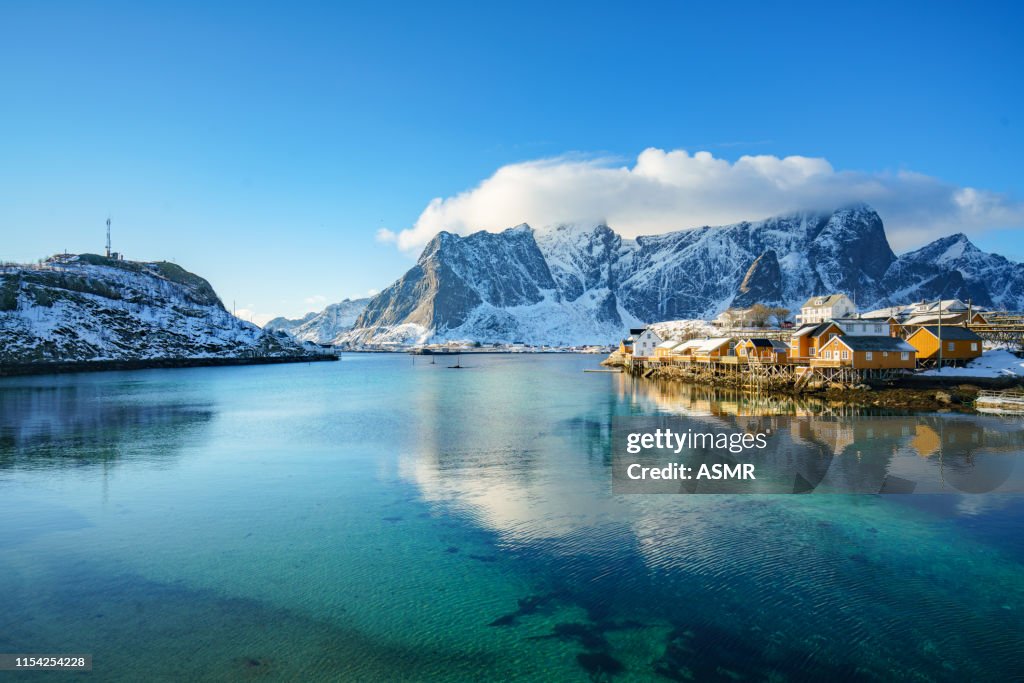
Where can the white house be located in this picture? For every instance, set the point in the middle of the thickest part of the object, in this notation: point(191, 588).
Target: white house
point(645, 343)
point(734, 317)
point(818, 309)
point(864, 327)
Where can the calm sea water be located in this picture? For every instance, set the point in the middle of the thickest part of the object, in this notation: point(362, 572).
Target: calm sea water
point(380, 519)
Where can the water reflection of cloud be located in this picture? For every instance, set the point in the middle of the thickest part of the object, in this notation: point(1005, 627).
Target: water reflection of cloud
point(557, 487)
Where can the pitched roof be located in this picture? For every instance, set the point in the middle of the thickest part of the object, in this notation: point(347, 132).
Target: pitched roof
point(709, 345)
point(804, 330)
point(779, 344)
point(951, 332)
point(884, 313)
point(671, 343)
point(814, 330)
point(827, 300)
point(946, 305)
point(875, 343)
point(636, 331)
point(760, 341)
point(691, 344)
point(933, 318)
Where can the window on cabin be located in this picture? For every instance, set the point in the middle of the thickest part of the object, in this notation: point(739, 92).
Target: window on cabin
point(846, 355)
point(868, 355)
point(905, 355)
point(974, 346)
point(950, 346)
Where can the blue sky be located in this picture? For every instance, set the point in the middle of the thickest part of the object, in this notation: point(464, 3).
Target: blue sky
point(264, 146)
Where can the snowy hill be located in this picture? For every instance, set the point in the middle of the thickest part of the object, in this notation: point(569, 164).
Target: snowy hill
point(89, 307)
point(579, 284)
point(324, 327)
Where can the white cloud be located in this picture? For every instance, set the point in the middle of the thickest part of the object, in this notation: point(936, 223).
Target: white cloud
point(316, 299)
point(672, 190)
point(386, 236)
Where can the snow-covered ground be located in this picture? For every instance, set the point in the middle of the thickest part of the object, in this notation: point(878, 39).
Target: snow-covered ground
point(994, 363)
point(685, 329)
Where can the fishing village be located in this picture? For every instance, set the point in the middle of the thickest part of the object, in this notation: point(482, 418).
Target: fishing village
point(944, 354)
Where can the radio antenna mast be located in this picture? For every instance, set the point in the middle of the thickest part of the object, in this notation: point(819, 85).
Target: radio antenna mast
point(108, 236)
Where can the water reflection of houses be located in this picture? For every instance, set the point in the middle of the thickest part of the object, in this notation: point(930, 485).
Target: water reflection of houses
point(867, 448)
point(685, 398)
point(969, 453)
point(925, 435)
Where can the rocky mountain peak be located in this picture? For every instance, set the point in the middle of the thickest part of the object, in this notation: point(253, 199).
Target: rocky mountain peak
point(762, 283)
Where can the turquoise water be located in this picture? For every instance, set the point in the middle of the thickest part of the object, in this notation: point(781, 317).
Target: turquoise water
point(385, 519)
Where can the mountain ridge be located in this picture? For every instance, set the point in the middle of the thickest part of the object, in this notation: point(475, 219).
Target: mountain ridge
point(581, 284)
point(323, 327)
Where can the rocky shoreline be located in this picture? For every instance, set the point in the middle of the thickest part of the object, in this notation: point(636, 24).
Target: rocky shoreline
point(912, 393)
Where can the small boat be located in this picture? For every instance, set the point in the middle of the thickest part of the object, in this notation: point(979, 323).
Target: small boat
point(1008, 401)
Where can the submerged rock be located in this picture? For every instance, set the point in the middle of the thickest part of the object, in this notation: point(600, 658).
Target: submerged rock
point(600, 665)
point(527, 605)
point(587, 635)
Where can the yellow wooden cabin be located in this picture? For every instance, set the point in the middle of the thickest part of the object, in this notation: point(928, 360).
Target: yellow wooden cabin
point(809, 339)
point(684, 351)
point(666, 349)
point(714, 349)
point(959, 344)
point(767, 350)
point(866, 353)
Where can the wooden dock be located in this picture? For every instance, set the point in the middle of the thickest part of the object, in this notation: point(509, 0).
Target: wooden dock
point(756, 373)
point(1008, 401)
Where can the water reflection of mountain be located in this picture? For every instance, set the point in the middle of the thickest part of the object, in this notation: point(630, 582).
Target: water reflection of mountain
point(502, 471)
point(73, 425)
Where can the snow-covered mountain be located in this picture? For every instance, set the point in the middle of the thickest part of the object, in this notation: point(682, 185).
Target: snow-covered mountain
point(89, 307)
point(575, 284)
point(963, 270)
point(324, 327)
